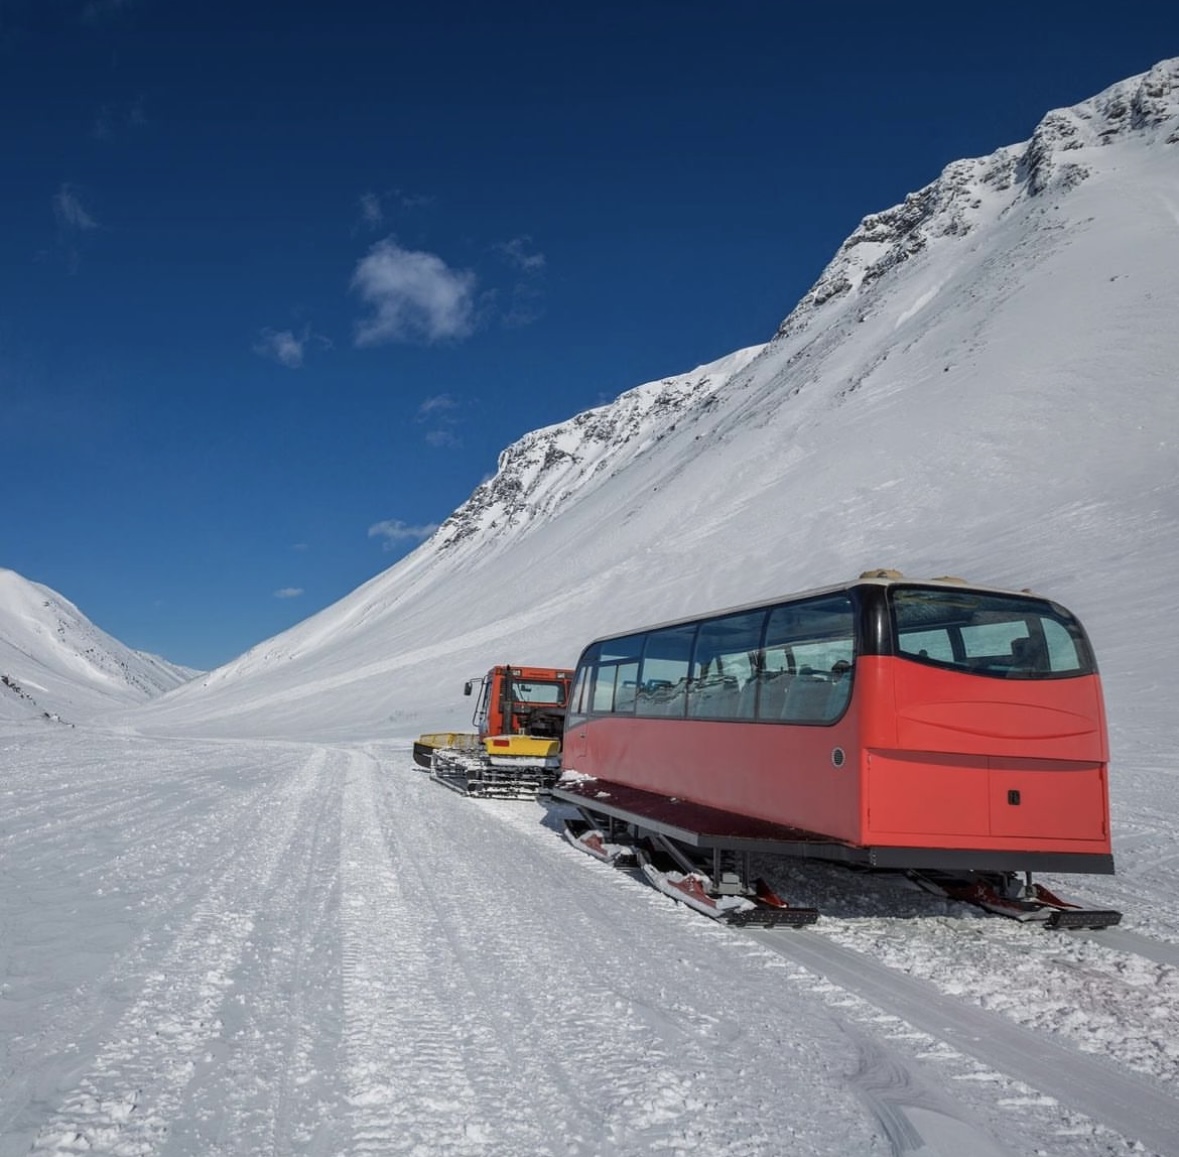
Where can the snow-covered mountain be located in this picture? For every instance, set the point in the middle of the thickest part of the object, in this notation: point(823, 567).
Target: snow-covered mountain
point(55, 664)
point(982, 382)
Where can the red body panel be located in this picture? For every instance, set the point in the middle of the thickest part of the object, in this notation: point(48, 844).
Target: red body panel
point(930, 758)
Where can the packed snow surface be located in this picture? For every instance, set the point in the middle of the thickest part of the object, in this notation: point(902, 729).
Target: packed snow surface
point(238, 920)
point(312, 948)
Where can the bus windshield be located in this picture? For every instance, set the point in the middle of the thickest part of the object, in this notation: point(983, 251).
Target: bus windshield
point(1003, 636)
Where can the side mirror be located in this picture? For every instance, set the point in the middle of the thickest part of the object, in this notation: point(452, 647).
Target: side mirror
point(467, 687)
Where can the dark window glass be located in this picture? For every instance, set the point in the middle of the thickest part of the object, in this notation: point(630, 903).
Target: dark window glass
point(579, 697)
point(726, 657)
point(999, 635)
point(663, 681)
point(615, 679)
point(552, 694)
point(808, 660)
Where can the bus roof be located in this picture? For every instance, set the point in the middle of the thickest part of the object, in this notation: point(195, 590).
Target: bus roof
point(874, 578)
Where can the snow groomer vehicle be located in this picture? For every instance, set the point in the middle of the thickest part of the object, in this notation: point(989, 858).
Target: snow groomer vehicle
point(515, 751)
point(951, 732)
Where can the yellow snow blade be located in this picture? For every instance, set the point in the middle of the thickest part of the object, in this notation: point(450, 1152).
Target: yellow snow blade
point(522, 745)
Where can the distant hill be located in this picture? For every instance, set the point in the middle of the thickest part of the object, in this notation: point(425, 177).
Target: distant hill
point(55, 664)
point(982, 383)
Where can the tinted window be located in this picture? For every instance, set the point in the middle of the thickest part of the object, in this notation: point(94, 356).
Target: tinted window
point(809, 660)
point(578, 698)
point(538, 692)
point(663, 678)
point(615, 679)
point(724, 663)
point(1003, 636)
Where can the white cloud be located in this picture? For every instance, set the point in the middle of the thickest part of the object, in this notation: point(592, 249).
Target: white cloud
point(288, 593)
point(393, 531)
point(438, 411)
point(281, 346)
point(526, 298)
point(287, 347)
point(515, 252)
point(370, 209)
point(413, 295)
point(69, 210)
point(437, 405)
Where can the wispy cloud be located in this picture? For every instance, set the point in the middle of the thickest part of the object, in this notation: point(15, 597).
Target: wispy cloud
point(516, 253)
point(287, 347)
point(281, 346)
point(414, 296)
point(71, 214)
point(439, 412)
point(376, 209)
point(394, 531)
point(525, 298)
point(288, 592)
point(113, 120)
point(371, 211)
point(439, 404)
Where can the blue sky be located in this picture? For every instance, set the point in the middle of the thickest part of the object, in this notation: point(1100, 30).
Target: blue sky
point(278, 281)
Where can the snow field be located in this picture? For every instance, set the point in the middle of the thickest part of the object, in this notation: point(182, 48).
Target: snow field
point(246, 946)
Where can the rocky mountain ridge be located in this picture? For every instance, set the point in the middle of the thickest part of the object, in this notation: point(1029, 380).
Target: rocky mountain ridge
point(937, 415)
point(950, 207)
point(540, 472)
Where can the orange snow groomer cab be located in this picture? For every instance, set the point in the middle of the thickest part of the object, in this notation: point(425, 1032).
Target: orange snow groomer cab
point(887, 722)
point(521, 701)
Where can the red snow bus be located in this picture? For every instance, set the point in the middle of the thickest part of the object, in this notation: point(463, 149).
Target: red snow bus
point(923, 725)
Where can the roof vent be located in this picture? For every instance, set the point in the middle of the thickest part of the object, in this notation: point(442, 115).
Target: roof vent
point(883, 573)
point(950, 578)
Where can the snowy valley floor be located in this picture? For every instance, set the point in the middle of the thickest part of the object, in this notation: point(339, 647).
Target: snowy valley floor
point(215, 947)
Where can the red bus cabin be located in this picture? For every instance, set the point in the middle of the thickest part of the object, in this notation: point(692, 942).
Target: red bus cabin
point(886, 722)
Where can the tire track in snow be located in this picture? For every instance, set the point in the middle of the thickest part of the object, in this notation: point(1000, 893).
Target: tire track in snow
point(420, 1075)
point(124, 1103)
point(113, 900)
point(621, 1056)
point(919, 1108)
point(268, 1083)
point(1131, 1106)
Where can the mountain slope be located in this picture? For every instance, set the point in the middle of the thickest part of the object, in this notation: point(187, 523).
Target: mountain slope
point(54, 662)
point(981, 382)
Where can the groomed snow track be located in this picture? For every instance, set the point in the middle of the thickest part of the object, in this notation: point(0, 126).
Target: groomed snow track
point(300, 949)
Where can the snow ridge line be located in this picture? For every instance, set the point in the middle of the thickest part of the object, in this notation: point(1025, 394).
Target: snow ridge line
point(124, 1102)
point(1130, 1105)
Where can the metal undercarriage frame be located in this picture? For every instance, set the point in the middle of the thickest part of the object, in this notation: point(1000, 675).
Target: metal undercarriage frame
point(709, 829)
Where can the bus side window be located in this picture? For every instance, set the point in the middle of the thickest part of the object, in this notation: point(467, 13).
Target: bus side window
point(817, 640)
point(618, 666)
point(602, 699)
point(663, 675)
point(721, 664)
